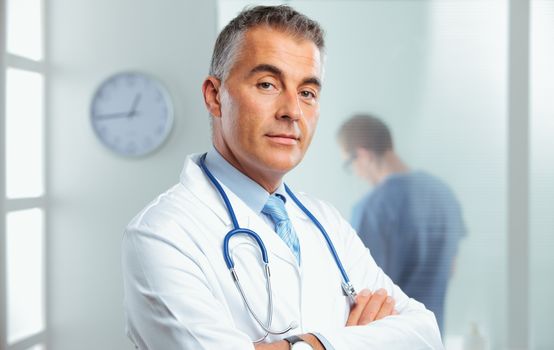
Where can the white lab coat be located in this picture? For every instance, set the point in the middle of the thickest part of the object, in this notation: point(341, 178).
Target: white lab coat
point(179, 293)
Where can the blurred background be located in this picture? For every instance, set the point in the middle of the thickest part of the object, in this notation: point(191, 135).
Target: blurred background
point(466, 86)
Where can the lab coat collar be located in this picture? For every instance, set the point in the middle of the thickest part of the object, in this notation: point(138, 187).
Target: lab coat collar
point(254, 195)
point(292, 209)
point(251, 193)
point(193, 177)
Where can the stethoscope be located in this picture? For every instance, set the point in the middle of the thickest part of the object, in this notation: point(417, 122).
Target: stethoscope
point(346, 285)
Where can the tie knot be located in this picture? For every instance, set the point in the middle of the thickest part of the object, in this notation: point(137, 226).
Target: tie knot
point(275, 208)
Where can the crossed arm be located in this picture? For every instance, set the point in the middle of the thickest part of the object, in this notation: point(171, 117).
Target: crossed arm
point(160, 269)
point(369, 307)
point(412, 327)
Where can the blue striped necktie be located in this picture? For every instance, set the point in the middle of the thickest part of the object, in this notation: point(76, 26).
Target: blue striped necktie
point(275, 208)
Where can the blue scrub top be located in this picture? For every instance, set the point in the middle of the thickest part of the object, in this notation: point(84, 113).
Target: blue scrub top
point(412, 223)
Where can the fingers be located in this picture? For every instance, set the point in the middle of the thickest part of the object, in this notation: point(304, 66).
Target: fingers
point(387, 308)
point(361, 301)
point(379, 306)
point(371, 307)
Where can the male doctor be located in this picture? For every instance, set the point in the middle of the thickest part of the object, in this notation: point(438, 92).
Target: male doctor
point(263, 97)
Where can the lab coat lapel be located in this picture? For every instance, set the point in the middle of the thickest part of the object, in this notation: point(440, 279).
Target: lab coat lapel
point(275, 246)
point(193, 177)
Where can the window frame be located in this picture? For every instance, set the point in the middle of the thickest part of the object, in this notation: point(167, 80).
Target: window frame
point(3, 277)
point(518, 174)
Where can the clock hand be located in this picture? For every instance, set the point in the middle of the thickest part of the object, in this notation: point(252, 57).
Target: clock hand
point(133, 110)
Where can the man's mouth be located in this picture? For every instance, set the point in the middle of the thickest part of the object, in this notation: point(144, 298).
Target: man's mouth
point(284, 139)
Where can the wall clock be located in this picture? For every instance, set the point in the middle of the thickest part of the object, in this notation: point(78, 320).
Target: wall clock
point(131, 113)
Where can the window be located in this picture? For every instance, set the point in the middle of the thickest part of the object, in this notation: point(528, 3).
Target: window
point(24, 35)
point(22, 176)
point(24, 90)
point(25, 276)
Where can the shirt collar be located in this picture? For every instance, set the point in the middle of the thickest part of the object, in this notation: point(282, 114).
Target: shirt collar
point(249, 191)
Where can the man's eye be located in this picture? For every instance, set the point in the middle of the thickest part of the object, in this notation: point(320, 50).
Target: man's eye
point(307, 94)
point(265, 85)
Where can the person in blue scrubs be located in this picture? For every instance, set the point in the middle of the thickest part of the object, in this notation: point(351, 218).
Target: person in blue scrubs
point(411, 221)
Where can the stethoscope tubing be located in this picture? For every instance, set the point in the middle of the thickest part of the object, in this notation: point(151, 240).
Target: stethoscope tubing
point(346, 285)
point(330, 244)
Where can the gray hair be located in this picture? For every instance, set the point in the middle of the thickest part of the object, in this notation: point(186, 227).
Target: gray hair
point(281, 17)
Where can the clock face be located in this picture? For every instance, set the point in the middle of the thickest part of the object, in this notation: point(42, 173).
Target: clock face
point(131, 113)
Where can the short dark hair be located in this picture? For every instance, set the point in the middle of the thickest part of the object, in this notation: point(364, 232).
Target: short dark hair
point(365, 131)
point(282, 17)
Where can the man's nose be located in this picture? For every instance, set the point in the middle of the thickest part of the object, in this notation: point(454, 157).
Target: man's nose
point(290, 106)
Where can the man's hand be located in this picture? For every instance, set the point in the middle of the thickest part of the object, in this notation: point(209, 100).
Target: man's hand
point(284, 345)
point(370, 307)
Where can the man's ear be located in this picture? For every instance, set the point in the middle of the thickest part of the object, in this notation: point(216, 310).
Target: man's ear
point(360, 152)
point(365, 154)
point(210, 90)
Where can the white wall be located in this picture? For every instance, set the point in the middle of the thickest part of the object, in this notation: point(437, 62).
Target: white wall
point(94, 193)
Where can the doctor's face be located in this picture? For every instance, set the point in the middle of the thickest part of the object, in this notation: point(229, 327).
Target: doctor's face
point(268, 106)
